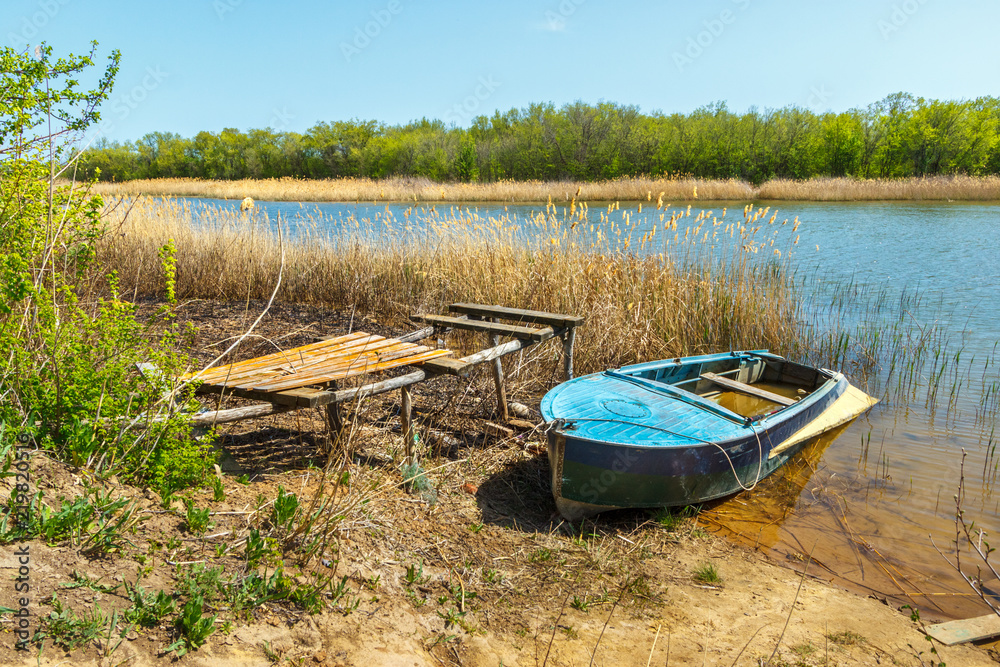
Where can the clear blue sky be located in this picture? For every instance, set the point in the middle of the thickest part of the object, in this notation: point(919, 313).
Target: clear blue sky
point(190, 65)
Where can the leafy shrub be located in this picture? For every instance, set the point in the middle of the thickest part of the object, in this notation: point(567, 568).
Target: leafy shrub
point(69, 344)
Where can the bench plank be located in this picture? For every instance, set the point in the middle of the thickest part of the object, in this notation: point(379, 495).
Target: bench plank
point(514, 331)
point(517, 314)
point(744, 388)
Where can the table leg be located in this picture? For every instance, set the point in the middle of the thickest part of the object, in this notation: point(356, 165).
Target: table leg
point(334, 420)
point(498, 381)
point(568, 339)
point(406, 414)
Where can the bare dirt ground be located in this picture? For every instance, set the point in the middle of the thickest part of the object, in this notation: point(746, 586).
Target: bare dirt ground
point(474, 569)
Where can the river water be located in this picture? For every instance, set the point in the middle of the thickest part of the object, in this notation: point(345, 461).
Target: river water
point(873, 506)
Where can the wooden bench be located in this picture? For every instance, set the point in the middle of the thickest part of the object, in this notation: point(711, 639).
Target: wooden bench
point(485, 319)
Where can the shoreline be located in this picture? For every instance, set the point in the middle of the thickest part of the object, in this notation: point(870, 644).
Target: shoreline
point(655, 191)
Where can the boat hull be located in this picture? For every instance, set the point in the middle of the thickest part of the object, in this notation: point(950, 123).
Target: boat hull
point(591, 475)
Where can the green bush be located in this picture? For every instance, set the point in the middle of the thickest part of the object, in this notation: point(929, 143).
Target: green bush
point(69, 344)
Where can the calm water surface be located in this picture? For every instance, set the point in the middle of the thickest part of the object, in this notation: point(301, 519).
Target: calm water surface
point(870, 502)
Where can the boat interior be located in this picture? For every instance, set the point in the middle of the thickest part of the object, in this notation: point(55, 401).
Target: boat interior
point(748, 384)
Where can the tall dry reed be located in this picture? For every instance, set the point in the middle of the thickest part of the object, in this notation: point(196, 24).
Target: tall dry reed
point(425, 190)
point(957, 188)
point(623, 189)
point(694, 282)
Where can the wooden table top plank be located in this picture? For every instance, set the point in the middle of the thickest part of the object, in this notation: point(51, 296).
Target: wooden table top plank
point(448, 366)
point(342, 374)
point(330, 370)
point(289, 377)
point(289, 357)
point(415, 360)
point(284, 356)
point(381, 347)
point(257, 376)
point(290, 360)
point(334, 372)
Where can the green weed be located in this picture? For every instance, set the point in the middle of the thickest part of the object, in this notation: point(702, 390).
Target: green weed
point(197, 520)
point(193, 627)
point(414, 574)
point(286, 507)
point(148, 609)
point(69, 630)
point(706, 573)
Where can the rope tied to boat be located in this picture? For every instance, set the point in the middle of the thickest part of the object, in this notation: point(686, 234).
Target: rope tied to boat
point(561, 424)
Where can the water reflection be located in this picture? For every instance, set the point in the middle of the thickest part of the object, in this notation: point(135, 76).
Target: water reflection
point(841, 525)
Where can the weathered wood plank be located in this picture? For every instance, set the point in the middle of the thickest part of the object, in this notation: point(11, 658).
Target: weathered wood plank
point(414, 336)
point(965, 630)
point(290, 360)
point(569, 339)
point(748, 389)
point(352, 370)
point(517, 314)
point(411, 337)
point(492, 353)
point(511, 330)
point(300, 398)
point(238, 414)
point(279, 357)
point(406, 415)
point(447, 366)
point(342, 395)
point(313, 372)
point(463, 367)
point(498, 382)
point(306, 366)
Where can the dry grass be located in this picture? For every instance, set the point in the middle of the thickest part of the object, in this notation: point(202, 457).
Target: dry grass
point(623, 189)
point(968, 188)
point(717, 280)
point(425, 190)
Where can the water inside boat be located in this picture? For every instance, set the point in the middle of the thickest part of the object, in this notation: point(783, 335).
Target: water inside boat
point(748, 385)
point(747, 405)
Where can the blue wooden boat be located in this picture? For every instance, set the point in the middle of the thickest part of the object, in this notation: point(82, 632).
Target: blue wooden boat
point(687, 430)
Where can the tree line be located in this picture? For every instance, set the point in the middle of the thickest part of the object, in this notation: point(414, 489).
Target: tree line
point(898, 136)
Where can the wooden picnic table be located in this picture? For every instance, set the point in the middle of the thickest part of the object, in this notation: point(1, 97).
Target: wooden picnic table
point(307, 376)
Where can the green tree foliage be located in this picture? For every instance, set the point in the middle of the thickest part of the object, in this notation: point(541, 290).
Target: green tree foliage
point(898, 136)
point(68, 343)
